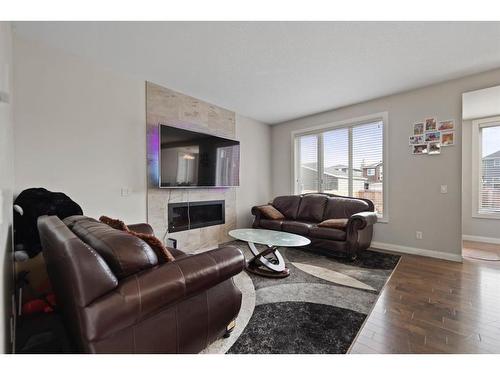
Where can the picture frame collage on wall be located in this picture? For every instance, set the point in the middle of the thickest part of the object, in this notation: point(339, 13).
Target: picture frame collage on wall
point(430, 135)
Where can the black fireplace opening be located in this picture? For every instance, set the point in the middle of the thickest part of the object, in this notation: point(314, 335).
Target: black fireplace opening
point(191, 215)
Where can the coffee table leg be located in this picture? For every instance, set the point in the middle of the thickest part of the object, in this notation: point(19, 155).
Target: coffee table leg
point(263, 266)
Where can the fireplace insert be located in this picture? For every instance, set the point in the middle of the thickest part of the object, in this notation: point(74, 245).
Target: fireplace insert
point(191, 215)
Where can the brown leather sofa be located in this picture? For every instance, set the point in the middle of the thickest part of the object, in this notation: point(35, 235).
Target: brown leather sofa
point(117, 298)
point(303, 213)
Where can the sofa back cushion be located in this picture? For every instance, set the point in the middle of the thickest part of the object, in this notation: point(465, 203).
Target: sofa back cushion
point(288, 205)
point(312, 207)
point(340, 208)
point(124, 253)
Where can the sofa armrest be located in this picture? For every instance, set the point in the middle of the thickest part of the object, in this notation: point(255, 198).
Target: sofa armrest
point(149, 291)
point(258, 215)
point(143, 228)
point(362, 219)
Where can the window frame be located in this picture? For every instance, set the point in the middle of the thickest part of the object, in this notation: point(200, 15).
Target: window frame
point(347, 123)
point(477, 126)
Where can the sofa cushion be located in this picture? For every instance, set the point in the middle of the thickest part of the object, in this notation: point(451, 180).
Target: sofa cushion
point(162, 253)
point(124, 253)
point(327, 233)
point(312, 207)
point(297, 227)
point(334, 223)
point(343, 208)
point(288, 205)
point(270, 212)
point(270, 224)
point(176, 253)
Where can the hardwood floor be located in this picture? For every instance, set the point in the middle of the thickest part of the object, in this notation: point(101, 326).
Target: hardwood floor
point(436, 306)
point(479, 250)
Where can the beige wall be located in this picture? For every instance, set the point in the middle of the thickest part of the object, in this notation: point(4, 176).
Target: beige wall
point(6, 184)
point(80, 131)
point(168, 107)
point(415, 201)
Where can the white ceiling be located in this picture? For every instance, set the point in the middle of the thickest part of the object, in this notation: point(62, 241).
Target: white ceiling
point(277, 71)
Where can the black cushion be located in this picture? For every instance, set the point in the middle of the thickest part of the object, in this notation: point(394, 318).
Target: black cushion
point(312, 207)
point(270, 224)
point(340, 208)
point(288, 205)
point(328, 233)
point(297, 227)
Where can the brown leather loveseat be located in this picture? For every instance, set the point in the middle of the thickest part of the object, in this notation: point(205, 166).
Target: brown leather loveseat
point(302, 214)
point(117, 298)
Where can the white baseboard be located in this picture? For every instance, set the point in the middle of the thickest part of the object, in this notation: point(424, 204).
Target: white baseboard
point(416, 251)
point(492, 240)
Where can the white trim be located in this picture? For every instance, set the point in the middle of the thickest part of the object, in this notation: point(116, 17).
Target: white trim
point(467, 237)
point(416, 251)
point(477, 125)
point(342, 123)
point(384, 116)
point(350, 182)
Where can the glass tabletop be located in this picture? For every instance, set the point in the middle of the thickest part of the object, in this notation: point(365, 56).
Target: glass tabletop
point(269, 237)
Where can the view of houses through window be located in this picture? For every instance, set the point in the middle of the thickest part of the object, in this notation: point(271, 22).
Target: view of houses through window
point(489, 195)
point(344, 161)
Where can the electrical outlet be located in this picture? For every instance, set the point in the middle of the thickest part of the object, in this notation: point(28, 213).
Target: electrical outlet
point(419, 235)
point(444, 189)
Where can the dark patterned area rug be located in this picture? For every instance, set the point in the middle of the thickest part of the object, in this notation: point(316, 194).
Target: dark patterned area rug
point(319, 308)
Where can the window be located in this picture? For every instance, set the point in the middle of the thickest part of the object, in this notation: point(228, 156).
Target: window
point(308, 155)
point(486, 168)
point(344, 159)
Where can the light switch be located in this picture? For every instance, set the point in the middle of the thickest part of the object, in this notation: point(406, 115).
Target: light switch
point(125, 191)
point(444, 189)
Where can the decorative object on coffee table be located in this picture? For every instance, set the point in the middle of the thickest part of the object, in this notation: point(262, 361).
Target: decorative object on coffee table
point(268, 262)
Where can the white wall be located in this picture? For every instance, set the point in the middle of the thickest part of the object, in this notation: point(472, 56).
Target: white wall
point(80, 130)
point(415, 201)
point(6, 183)
point(476, 104)
point(481, 103)
point(255, 168)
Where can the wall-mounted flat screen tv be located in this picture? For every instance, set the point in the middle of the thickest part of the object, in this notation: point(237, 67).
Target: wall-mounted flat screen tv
point(190, 159)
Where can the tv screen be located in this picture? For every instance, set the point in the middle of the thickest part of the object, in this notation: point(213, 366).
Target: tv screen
point(192, 159)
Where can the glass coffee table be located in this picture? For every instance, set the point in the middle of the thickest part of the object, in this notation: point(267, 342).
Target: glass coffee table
point(268, 262)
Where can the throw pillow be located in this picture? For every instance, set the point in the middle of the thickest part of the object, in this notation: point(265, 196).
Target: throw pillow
point(161, 251)
point(334, 223)
point(271, 213)
point(114, 223)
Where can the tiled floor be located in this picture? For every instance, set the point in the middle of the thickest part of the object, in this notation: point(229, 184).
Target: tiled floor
point(436, 306)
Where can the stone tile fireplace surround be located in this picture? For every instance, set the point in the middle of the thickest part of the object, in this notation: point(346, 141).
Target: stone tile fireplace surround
point(165, 106)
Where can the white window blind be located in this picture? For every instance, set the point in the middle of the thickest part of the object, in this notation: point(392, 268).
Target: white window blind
point(367, 160)
point(336, 161)
point(346, 160)
point(489, 184)
point(308, 164)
